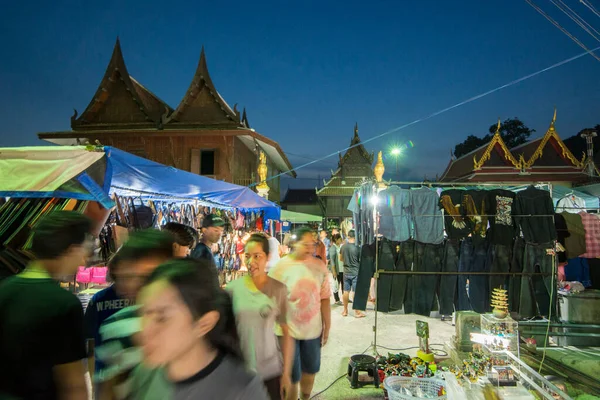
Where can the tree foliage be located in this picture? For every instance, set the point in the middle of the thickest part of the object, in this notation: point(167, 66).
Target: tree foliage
point(513, 131)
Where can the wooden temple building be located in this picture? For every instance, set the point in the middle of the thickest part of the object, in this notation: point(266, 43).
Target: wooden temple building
point(546, 159)
point(203, 134)
point(353, 167)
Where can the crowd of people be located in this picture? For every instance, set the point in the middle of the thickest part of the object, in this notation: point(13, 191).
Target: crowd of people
point(166, 327)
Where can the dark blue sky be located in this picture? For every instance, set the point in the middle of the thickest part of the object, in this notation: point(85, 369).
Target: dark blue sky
point(308, 70)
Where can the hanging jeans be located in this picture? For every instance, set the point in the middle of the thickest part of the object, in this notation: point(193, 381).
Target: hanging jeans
point(385, 259)
point(514, 282)
point(428, 258)
point(501, 259)
point(479, 292)
point(404, 262)
point(537, 291)
point(365, 273)
point(448, 282)
point(465, 262)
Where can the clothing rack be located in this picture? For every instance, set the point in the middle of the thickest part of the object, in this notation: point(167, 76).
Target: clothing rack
point(431, 185)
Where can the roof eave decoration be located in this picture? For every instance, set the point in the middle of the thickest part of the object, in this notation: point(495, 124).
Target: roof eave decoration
point(565, 152)
point(115, 66)
point(202, 77)
point(496, 140)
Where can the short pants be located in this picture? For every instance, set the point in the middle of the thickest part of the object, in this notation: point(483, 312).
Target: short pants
point(307, 358)
point(350, 283)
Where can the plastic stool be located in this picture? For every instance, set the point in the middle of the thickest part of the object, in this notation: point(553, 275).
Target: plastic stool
point(362, 363)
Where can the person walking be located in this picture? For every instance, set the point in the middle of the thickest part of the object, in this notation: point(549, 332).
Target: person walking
point(260, 302)
point(335, 268)
point(42, 344)
point(189, 336)
point(351, 260)
point(212, 230)
point(309, 321)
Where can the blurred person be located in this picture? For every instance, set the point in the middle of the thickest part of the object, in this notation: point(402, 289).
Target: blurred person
point(212, 230)
point(324, 236)
point(185, 238)
point(335, 268)
point(189, 336)
point(119, 353)
point(350, 257)
point(309, 314)
point(320, 249)
point(128, 269)
point(42, 345)
point(274, 251)
point(260, 302)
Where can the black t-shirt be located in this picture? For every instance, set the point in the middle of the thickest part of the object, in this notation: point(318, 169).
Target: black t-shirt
point(41, 326)
point(351, 256)
point(203, 252)
point(503, 228)
point(457, 225)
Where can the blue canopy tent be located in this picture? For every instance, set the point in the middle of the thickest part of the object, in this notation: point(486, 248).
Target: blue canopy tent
point(84, 174)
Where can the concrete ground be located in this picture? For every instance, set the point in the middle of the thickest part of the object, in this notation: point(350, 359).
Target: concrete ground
point(351, 336)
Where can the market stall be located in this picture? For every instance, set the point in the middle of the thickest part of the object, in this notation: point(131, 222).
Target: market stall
point(119, 190)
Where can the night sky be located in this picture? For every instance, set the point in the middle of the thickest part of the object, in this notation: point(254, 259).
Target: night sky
point(307, 71)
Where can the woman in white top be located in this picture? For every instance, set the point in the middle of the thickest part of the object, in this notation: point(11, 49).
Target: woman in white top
point(259, 304)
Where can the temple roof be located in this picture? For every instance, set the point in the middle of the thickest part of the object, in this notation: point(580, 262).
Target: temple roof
point(494, 161)
point(120, 100)
point(358, 153)
point(202, 104)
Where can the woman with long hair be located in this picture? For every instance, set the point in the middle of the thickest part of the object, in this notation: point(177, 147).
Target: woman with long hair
point(259, 302)
point(188, 328)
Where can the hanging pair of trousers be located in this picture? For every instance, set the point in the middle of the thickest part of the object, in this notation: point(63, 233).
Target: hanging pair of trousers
point(501, 260)
point(538, 294)
point(404, 262)
point(386, 261)
point(448, 283)
point(479, 292)
point(514, 281)
point(428, 258)
point(365, 273)
point(465, 262)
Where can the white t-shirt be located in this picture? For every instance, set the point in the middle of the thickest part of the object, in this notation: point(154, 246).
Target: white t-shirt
point(273, 253)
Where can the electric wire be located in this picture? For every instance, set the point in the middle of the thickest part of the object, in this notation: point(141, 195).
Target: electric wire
point(583, 24)
point(552, 283)
point(590, 6)
point(563, 30)
point(444, 110)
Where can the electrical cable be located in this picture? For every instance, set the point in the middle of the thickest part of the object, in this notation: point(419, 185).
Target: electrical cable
point(591, 7)
point(552, 290)
point(442, 111)
point(575, 17)
point(563, 30)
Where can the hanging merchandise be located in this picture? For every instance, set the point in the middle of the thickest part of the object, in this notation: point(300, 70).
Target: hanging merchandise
point(362, 205)
point(475, 208)
point(534, 214)
point(457, 224)
point(428, 222)
point(571, 204)
point(591, 224)
point(395, 213)
point(575, 242)
point(503, 227)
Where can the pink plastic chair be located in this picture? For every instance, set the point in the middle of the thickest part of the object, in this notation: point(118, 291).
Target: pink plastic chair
point(99, 275)
point(84, 275)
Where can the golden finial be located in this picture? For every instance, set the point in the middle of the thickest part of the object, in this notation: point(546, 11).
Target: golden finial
point(356, 128)
point(262, 171)
point(498, 127)
point(553, 118)
point(379, 169)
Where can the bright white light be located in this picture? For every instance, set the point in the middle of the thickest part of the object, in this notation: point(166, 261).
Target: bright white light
point(293, 236)
point(396, 151)
point(374, 200)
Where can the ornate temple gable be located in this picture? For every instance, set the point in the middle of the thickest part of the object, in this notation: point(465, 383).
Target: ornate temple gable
point(120, 100)
point(357, 154)
point(497, 143)
point(557, 147)
point(202, 103)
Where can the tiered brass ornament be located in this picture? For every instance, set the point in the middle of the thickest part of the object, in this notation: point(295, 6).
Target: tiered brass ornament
point(500, 303)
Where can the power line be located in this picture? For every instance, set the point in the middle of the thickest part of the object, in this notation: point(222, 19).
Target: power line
point(591, 7)
point(563, 30)
point(435, 114)
point(576, 18)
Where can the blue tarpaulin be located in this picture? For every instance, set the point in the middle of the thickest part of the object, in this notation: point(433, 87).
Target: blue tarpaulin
point(74, 172)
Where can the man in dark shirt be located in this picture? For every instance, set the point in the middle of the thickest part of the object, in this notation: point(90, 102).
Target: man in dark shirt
point(351, 259)
point(41, 330)
point(212, 230)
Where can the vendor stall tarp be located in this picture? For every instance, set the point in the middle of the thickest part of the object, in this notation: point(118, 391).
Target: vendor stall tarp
point(71, 172)
point(136, 176)
point(299, 218)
